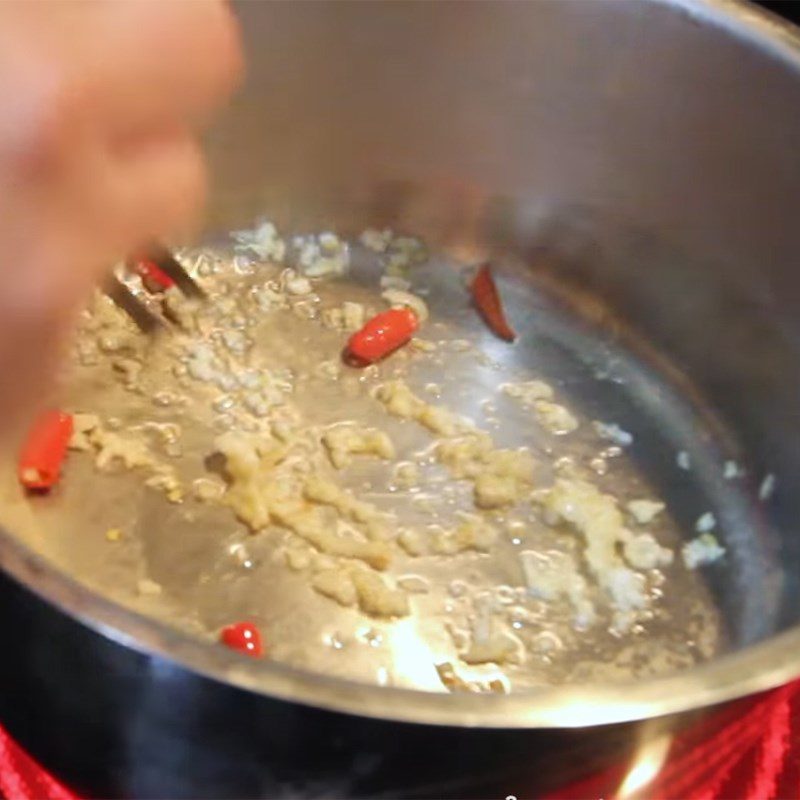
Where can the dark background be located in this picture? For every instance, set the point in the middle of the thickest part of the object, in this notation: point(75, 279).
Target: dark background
point(790, 9)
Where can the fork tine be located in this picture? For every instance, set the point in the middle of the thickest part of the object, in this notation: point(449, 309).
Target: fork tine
point(122, 296)
point(165, 261)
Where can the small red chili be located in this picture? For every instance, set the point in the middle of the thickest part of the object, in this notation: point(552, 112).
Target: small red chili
point(487, 299)
point(44, 449)
point(153, 277)
point(382, 335)
point(243, 636)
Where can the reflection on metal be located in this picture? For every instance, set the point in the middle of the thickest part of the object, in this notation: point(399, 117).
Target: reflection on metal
point(412, 659)
point(645, 767)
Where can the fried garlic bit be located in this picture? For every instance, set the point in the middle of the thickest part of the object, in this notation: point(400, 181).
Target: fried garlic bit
point(345, 441)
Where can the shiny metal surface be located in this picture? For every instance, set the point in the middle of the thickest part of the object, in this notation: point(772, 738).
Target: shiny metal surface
point(640, 161)
point(210, 569)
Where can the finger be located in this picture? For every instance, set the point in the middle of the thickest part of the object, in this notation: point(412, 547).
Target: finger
point(31, 351)
point(157, 189)
point(128, 69)
point(157, 62)
point(57, 240)
point(118, 199)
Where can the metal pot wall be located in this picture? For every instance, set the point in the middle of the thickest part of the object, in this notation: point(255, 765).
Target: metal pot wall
point(640, 160)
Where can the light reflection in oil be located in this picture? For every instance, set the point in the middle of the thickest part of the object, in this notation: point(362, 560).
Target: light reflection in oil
point(646, 765)
point(413, 662)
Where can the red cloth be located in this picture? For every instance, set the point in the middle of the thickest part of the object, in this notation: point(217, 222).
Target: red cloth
point(750, 751)
point(753, 753)
point(21, 778)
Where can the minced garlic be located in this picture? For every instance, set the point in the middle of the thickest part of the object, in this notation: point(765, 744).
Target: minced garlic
point(556, 418)
point(344, 441)
point(397, 298)
point(376, 597)
point(335, 584)
point(645, 511)
point(406, 475)
point(501, 477)
point(598, 518)
point(528, 392)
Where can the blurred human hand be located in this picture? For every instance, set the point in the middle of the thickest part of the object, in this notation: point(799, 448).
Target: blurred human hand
point(103, 101)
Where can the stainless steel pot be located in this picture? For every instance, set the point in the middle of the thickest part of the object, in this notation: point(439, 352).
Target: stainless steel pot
point(641, 160)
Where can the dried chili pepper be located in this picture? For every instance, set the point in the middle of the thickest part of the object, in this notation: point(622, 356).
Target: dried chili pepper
point(153, 277)
point(487, 300)
point(382, 335)
point(243, 636)
point(44, 450)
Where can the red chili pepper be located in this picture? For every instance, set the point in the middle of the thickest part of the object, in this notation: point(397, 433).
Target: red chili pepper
point(44, 450)
point(382, 335)
point(487, 299)
point(243, 636)
point(153, 277)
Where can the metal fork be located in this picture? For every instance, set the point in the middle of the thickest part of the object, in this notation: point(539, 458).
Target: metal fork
point(147, 320)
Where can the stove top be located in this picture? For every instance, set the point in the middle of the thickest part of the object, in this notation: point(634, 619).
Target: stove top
point(749, 751)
